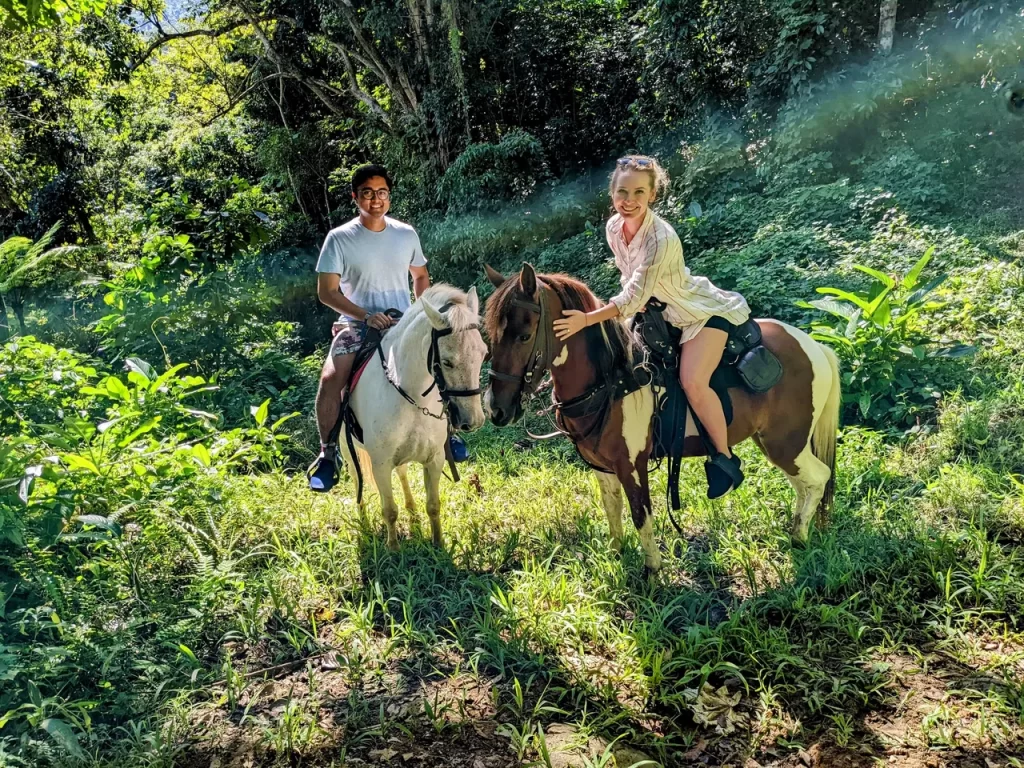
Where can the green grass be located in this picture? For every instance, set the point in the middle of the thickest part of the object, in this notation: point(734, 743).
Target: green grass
point(922, 563)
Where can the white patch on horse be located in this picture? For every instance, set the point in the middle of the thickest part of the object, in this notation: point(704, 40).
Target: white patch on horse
point(562, 356)
point(637, 410)
point(652, 555)
point(821, 371)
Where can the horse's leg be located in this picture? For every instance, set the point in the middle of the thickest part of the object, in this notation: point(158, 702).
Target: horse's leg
point(808, 475)
point(638, 493)
point(410, 502)
point(611, 500)
point(432, 483)
point(382, 477)
point(809, 483)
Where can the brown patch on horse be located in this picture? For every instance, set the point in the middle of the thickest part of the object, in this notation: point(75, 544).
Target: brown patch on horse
point(784, 432)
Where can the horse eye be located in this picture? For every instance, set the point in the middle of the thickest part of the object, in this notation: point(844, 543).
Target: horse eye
point(447, 363)
point(524, 338)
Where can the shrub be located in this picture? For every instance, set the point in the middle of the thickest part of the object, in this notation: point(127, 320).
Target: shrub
point(892, 373)
point(488, 174)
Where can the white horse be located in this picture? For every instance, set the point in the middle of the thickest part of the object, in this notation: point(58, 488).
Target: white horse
point(397, 432)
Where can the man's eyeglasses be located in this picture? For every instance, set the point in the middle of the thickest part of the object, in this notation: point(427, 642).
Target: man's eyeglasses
point(638, 162)
point(365, 193)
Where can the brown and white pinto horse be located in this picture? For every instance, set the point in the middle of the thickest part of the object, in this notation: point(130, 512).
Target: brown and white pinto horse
point(794, 424)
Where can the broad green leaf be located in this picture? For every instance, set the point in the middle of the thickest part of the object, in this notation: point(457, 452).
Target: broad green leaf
point(261, 413)
point(77, 461)
point(34, 695)
point(911, 278)
point(831, 306)
point(851, 327)
point(882, 314)
point(61, 733)
point(283, 419)
point(955, 351)
point(918, 295)
point(874, 305)
point(138, 379)
point(166, 376)
point(99, 521)
point(845, 296)
point(116, 388)
point(144, 429)
point(695, 210)
point(881, 277)
point(140, 366)
point(865, 404)
point(202, 454)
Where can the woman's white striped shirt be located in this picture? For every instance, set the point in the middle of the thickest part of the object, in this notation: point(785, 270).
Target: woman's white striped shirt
point(652, 265)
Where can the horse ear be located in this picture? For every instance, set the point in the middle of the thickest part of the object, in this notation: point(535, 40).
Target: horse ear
point(473, 301)
point(528, 279)
point(433, 315)
point(497, 279)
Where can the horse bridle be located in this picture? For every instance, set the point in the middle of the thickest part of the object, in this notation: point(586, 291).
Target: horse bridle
point(436, 371)
point(537, 362)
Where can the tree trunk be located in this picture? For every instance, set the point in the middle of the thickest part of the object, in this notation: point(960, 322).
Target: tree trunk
point(5, 326)
point(887, 25)
point(19, 312)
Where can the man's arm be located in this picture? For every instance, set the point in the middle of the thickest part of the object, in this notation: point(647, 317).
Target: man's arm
point(328, 290)
point(420, 280)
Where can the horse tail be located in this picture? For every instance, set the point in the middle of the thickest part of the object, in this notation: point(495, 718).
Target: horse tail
point(824, 433)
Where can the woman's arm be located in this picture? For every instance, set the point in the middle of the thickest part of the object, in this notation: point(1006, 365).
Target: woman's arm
point(573, 321)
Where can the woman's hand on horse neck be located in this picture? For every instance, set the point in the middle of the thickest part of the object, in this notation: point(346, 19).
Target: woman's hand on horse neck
point(573, 321)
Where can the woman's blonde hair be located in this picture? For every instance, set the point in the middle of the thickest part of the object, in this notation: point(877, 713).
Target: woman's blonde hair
point(645, 164)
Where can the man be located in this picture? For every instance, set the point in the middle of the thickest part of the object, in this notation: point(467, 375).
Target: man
point(362, 271)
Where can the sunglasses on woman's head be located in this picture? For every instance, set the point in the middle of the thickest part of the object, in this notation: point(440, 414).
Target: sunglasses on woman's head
point(639, 162)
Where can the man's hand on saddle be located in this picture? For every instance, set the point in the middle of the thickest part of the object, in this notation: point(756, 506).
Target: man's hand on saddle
point(572, 322)
point(380, 321)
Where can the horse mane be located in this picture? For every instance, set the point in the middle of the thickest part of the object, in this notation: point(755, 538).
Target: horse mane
point(609, 344)
point(449, 301)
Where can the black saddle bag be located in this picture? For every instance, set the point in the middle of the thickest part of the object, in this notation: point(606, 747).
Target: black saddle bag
point(756, 365)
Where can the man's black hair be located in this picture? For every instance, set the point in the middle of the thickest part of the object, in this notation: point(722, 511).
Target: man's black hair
point(366, 172)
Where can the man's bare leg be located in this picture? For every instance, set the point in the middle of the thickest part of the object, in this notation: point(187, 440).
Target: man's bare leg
point(333, 380)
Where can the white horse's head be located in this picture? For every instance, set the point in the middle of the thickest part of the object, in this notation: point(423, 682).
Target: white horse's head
point(462, 351)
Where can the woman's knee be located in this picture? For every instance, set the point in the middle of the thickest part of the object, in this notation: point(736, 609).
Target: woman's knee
point(693, 385)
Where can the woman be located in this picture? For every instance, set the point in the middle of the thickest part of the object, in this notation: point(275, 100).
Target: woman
point(649, 255)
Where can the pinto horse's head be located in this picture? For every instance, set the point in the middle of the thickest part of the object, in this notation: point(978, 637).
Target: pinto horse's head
point(513, 322)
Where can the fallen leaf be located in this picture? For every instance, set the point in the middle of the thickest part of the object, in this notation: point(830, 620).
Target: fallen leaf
point(711, 707)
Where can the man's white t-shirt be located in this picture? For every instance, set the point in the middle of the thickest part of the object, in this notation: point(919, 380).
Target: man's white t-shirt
point(374, 266)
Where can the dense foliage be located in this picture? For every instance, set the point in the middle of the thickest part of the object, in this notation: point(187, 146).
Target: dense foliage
point(166, 175)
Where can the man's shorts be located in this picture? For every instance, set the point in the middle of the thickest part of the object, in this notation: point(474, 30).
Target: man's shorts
point(348, 337)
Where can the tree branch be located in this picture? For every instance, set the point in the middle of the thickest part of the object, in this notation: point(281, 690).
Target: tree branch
point(162, 37)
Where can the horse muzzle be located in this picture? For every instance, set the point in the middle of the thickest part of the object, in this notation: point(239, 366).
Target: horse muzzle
point(501, 416)
point(466, 419)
